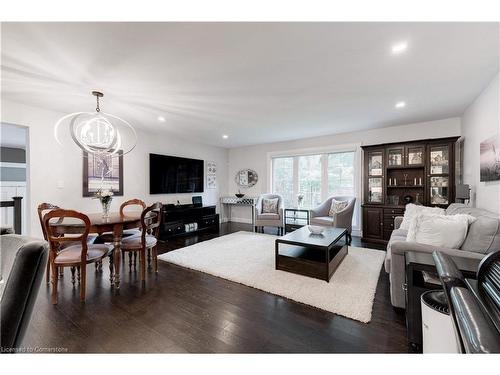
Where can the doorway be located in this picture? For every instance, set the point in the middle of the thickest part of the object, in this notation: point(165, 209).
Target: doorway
point(14, 176)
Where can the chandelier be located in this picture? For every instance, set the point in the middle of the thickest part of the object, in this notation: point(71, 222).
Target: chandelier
point(97, 132)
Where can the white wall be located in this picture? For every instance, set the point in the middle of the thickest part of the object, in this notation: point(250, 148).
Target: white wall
point(481, 121)
point(256, 157)
point(52, 165)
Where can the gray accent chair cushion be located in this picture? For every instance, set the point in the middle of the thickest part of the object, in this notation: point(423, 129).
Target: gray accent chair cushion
point(269, 219)
point(343, 219)
point(483, 237)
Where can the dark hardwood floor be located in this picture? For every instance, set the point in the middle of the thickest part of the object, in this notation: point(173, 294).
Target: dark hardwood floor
point(179, 310)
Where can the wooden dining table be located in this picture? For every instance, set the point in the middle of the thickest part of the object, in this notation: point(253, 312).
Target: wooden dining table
point(114, 223)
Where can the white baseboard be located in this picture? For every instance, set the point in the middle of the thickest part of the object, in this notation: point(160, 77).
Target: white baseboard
point(237, 220)
point(355, 232)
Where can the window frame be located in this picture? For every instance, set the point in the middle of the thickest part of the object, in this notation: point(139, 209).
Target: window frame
point(324, 152)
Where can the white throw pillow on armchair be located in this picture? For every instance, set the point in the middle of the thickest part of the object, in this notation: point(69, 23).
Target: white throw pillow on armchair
point(439, 230)
point(412, 210)
point(336, 207)
point(270, 205)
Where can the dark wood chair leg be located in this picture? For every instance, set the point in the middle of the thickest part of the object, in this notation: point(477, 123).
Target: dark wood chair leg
point(111, 269)
point(130, 260)
point(83, 281)
point(149, 259)
point(78, 274)
point(142, 261)
point(47, 274)
point(155, 258)
point(73, 270)
point(55, 276)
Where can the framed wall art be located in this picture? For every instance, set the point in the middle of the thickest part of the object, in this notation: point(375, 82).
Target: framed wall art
point(102, 172)
point(489, 159)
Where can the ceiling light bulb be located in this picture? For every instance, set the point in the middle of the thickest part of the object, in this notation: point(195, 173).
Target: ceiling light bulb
point(400, 105)
point(225, 136)
point(161, 118)
point(399, 48)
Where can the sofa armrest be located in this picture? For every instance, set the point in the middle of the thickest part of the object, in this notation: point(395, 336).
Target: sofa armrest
point(396, 266)
point(398, 220)
point(401, 247)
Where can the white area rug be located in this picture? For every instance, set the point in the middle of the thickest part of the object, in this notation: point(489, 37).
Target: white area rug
point(248, 258)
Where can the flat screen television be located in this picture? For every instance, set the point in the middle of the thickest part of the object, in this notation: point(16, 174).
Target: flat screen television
point(173, 175)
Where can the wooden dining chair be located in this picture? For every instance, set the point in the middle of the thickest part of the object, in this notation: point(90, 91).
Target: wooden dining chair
point(150, 226)
point(109, 237)
point(42, 208)
point(78, 253)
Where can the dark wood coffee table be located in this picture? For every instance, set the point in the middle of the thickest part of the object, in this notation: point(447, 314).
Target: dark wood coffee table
point(313, 255)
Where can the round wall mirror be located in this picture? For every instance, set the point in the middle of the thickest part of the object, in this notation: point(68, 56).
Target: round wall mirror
point(246, 178)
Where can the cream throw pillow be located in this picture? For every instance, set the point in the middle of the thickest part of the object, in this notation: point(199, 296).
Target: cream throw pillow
point(412, 210)
point(440, 230)
point(270, 205)
point(336, 207)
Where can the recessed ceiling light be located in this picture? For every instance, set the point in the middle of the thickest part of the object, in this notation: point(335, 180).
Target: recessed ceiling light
point(225, 136)
point(399, 48)
point(161, 118)
point(400, 105)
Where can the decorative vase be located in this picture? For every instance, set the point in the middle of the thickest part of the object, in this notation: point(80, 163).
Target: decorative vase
point(106, 204)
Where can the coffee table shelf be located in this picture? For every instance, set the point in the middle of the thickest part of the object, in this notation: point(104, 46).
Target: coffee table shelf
point(311, 255)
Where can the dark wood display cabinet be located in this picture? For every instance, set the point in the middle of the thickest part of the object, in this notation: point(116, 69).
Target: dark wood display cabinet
point(395, 174)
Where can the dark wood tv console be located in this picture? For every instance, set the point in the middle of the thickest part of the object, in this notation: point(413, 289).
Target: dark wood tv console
point(175, 218)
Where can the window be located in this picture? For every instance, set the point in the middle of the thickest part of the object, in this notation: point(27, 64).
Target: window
point(309, 179)
point(283, 179)
point(315, 177)
point(341, 174)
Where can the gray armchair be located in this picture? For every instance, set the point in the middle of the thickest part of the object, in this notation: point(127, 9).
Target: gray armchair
point(269, 219)
point(343, 219)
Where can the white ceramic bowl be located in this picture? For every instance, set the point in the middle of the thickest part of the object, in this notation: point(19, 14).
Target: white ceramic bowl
point(315, 229)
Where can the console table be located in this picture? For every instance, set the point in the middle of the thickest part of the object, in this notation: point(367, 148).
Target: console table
point(230, 201)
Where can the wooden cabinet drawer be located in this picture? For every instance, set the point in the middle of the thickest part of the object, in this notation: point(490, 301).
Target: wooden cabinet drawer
point(394, 211)
point(173, 228)
point(209, 220)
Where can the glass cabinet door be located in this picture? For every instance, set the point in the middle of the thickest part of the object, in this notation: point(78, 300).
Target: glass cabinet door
point(395, 157)
point(375, 190)
point(439, 160)
point(375, 163)
point(439, 178)
point(415, 155)
point(439, 190)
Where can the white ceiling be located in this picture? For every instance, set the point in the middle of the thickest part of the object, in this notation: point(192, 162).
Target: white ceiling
point(256, 82)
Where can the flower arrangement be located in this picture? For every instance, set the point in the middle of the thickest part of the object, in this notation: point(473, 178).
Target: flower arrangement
point(300, 198)
point(105, 196)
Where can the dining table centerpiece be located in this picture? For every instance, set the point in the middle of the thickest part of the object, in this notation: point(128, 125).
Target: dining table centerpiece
point(105, 197)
